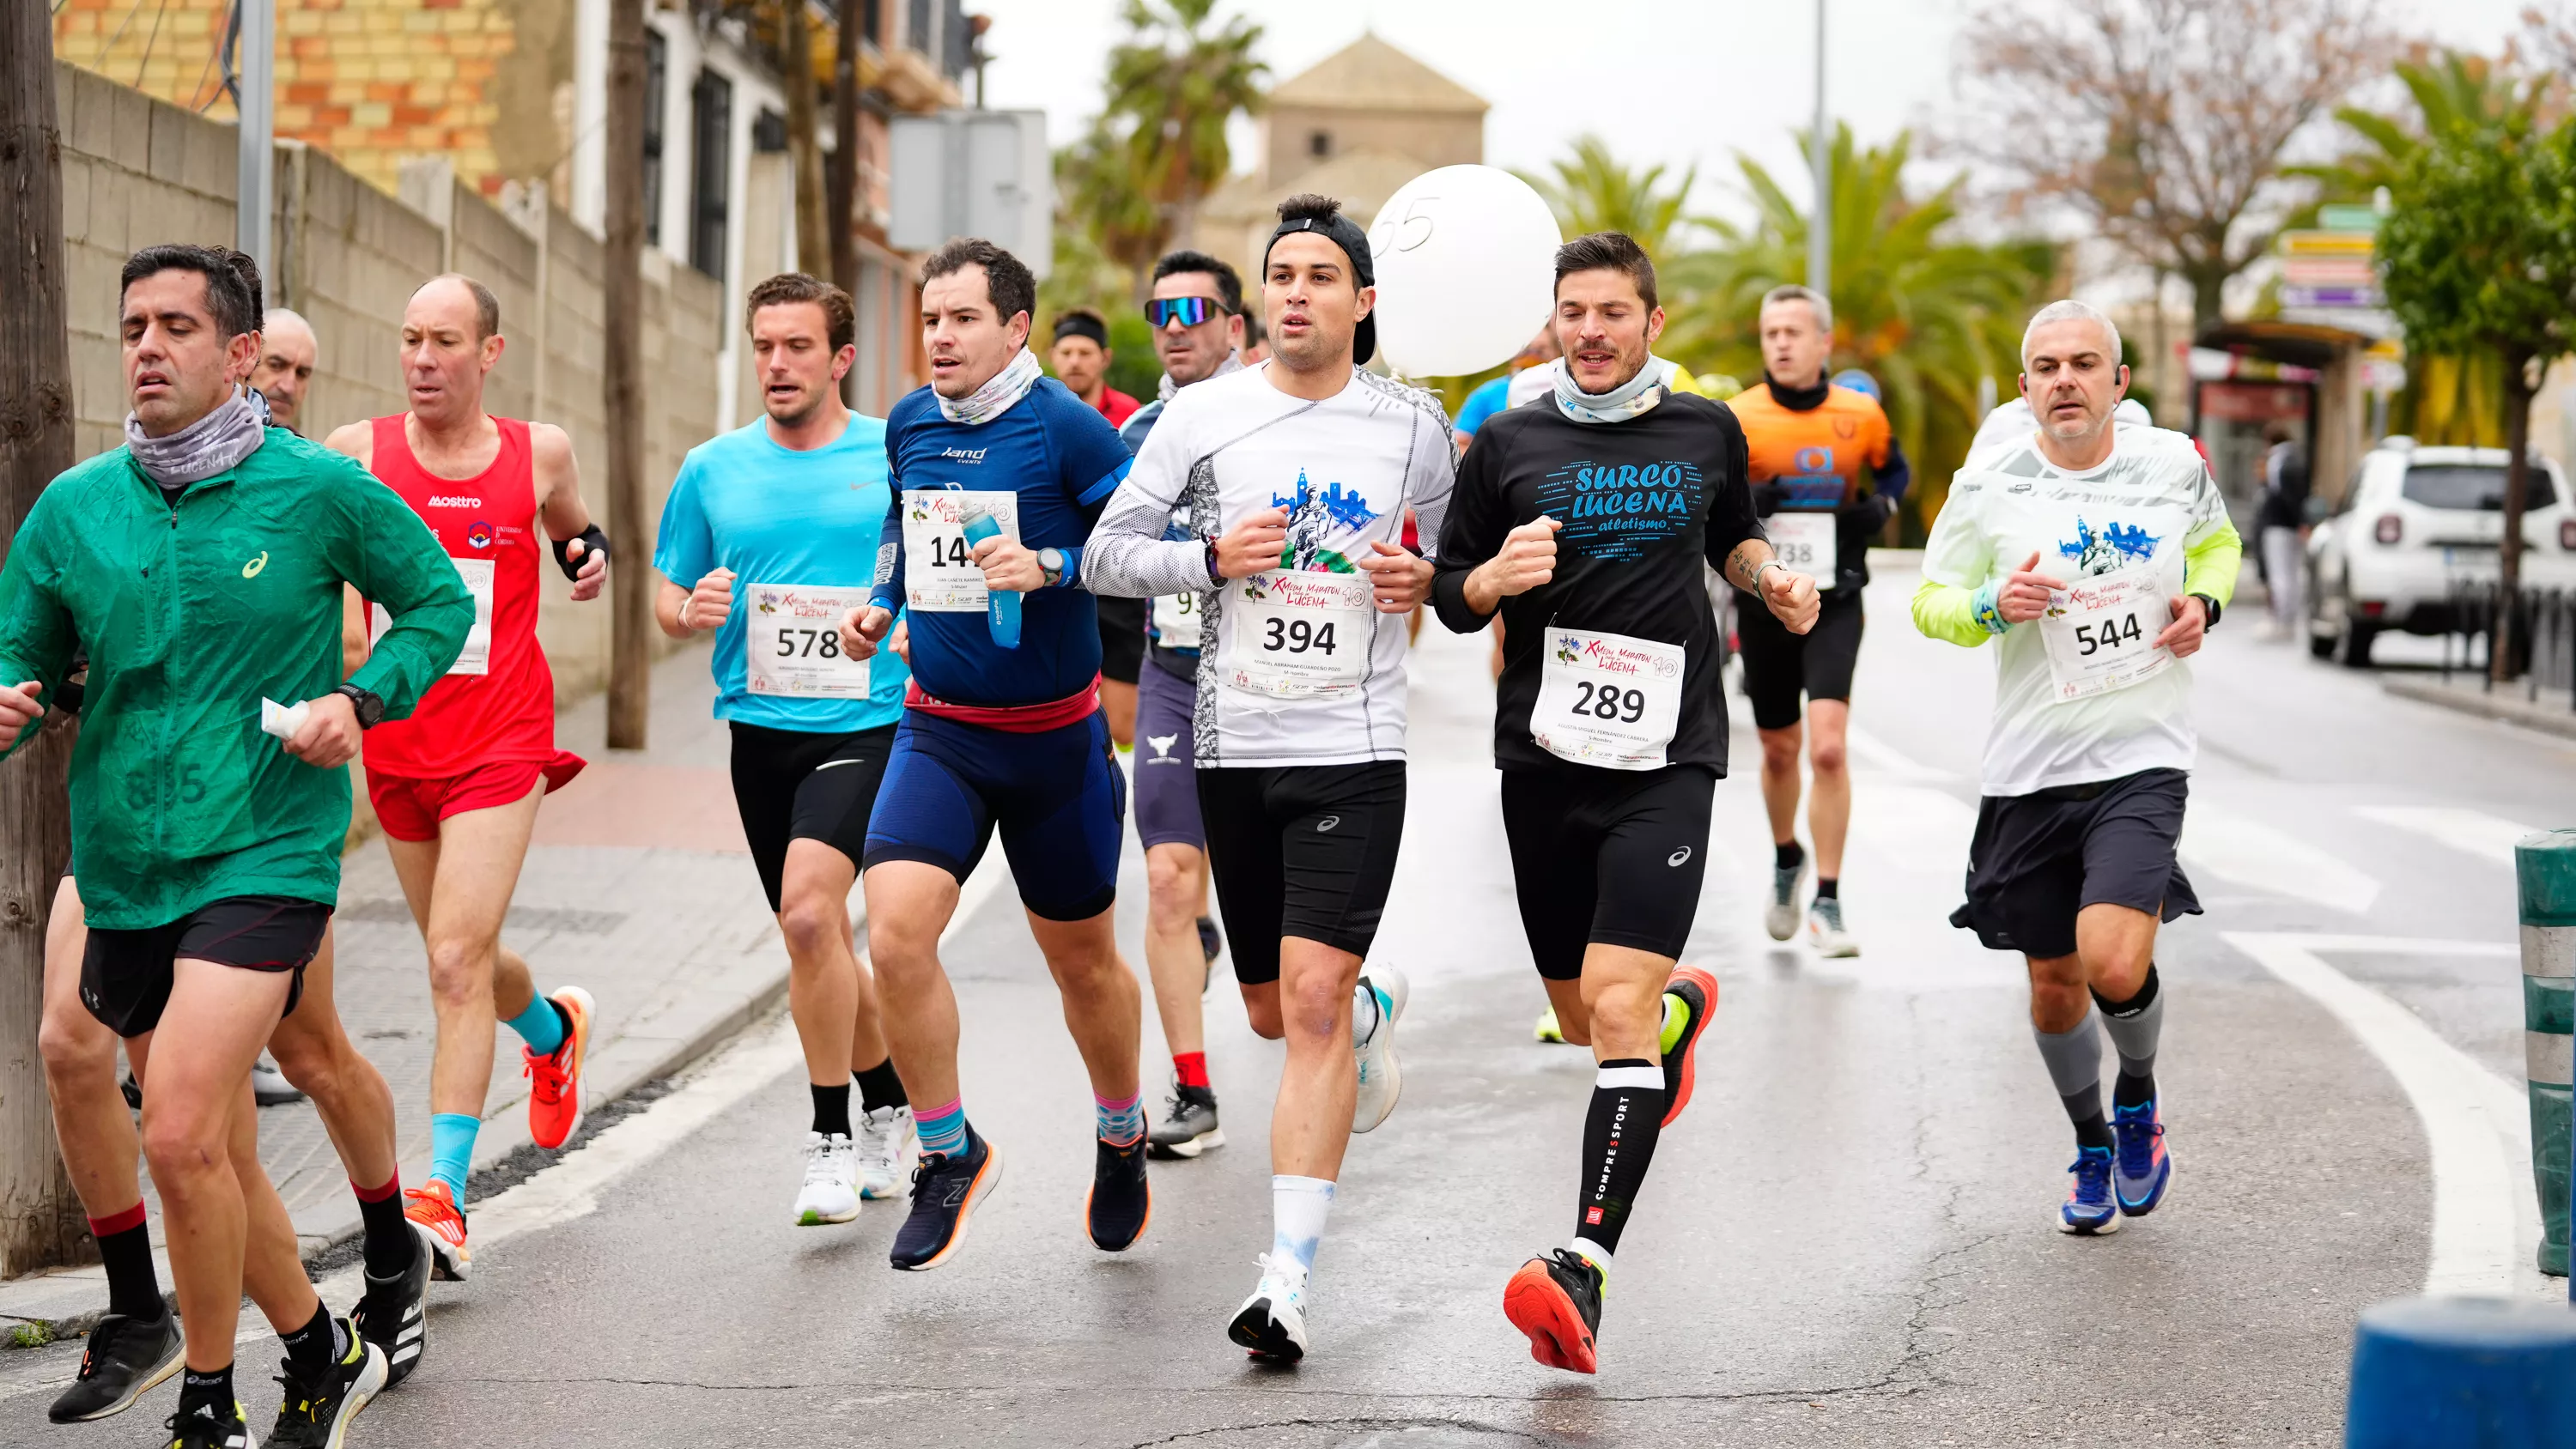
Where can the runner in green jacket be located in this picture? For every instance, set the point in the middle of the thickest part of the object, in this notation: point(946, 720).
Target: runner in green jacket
point(202, 564)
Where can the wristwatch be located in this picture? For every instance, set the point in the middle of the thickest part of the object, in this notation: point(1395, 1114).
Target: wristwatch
point(2211, 605)
point(371, 709)
point(1051, 565)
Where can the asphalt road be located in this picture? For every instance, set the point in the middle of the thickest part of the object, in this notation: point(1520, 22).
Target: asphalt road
point(1846, 1242)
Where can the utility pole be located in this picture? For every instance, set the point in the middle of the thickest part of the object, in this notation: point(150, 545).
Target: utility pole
point(841, 185)
point(1820, 223)
point(257, 99)
point(40, 1223)
point(622, 376)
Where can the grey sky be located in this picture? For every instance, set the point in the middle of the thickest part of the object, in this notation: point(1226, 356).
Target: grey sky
point(1677, 81)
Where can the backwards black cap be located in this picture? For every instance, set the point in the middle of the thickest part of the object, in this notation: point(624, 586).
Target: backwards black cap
point(1342, 232)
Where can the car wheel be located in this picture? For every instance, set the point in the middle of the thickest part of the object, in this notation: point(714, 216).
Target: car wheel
point(2320, 646)
point(2353, 649)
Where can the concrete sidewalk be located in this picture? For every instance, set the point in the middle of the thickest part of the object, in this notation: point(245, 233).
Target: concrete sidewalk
point(2551, 713)
point(638, 887)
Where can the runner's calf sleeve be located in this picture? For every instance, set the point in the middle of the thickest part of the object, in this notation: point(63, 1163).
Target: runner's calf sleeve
point(1619, 1135)
point(2074, 1059)
point(2134, 1025)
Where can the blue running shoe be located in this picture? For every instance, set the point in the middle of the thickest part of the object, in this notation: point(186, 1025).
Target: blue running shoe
point(2088, 1208)
point(2139, 1176)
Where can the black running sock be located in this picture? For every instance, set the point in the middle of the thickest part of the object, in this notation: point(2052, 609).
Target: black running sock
point(2084, 1109)
point(133, 1288)
point(1788, 855)
point(1619, 1134)
point(879, 1087)
point(311, 1348)
point(213, 1389)
point(2133, 1091)
point(390, 1242)
point(1829, 887)
point(831, 1109)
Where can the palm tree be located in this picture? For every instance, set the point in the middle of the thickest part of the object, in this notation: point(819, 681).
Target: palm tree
point(1926, 314)
point(1594, 191)
point(2447, 399)
point(1160, 146)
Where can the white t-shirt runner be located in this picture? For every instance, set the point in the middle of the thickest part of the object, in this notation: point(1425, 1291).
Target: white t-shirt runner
point(2066, 714)
point(1296, 666)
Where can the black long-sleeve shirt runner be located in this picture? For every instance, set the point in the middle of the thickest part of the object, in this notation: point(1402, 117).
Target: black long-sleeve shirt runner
point(1643, 502)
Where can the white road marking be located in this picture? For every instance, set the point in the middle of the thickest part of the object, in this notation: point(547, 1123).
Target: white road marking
point(572, 1187)
point(2255, 854)
point(2486, 1217)
point(2488, 837)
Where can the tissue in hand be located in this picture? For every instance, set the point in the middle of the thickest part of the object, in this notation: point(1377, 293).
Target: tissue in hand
point(282, 720)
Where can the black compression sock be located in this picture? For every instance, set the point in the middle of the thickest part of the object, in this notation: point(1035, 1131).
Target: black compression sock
point(310, 1348)
point(2133, 1091)
point(1788, 855)
point(879, 1087)
point(831, 1109)
point(1829, 887)
point(2084, 1109)
point(133, 1288)
point(1619, 1133)
point(390, 1241)
point(213, 1389)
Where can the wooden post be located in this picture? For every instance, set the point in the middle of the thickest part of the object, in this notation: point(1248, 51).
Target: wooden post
point(622, 298)
point(40, 1223)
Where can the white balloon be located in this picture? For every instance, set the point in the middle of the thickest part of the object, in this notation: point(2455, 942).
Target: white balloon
point(1466, 270)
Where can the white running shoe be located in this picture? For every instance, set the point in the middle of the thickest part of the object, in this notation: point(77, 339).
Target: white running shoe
point(884, 1136)
point(1271, 1324)
point(1780, 917)
point(1381, 1076)
point(831, 1190)
point(1825, 928)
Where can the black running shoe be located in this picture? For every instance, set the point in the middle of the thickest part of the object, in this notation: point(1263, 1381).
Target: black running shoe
point(946, 1190)
point(315, 1413)
point(1556, 1300)
point(394, 1313)
point(1191, 1128)
point(205, 1428)
point(126, 1359)
point(1120, 1204)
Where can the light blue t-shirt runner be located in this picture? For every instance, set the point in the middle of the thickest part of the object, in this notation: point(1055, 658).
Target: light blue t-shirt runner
point(797, 529)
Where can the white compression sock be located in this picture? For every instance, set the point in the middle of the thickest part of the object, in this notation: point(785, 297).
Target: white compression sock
point(1298, 1207)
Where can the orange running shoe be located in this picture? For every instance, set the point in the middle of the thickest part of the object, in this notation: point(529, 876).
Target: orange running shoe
point(441, 1224)
point(1556, 1300)
point(1696, 991)
point(554, 1079)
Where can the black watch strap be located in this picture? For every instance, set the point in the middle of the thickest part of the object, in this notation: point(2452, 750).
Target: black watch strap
point(2210, 604)
point(371, 708)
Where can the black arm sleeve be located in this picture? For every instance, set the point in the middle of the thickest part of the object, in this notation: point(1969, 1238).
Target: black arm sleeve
point(1473, 532)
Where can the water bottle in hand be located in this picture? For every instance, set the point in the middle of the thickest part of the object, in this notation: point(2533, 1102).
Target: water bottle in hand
point(1002, 607)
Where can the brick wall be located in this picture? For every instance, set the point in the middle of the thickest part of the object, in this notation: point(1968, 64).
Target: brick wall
point(138, 171)
point(374, 82)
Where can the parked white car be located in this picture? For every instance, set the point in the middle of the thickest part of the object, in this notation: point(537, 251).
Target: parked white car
point(2417, 524)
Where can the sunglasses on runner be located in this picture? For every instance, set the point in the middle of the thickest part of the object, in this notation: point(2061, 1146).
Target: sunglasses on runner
point(1188, 311)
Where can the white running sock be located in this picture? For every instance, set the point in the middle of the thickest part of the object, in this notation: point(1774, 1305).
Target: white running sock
point(1298, 1207)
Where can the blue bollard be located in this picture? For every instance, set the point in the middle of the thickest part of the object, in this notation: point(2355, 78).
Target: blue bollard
point(2463, 1373)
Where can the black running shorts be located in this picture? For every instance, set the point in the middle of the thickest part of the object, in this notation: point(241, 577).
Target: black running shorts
point(126, 975)
point(2038, 859)
point(1779, 666)
point(1122, 638)
point(1613, 856)
point(800, 785)
point(1301, 850)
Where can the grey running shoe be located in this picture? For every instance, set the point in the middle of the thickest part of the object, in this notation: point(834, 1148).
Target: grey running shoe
point(126, 1359)
point(1780, 918)
point(1825, 928)
point(1191, 1128)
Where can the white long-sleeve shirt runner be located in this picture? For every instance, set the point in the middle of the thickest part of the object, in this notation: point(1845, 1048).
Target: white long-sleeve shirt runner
point(1297, 667)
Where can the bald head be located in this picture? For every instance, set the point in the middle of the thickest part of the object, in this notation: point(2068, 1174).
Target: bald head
point(287, 354)
point(458, 287)
point(451, 338)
